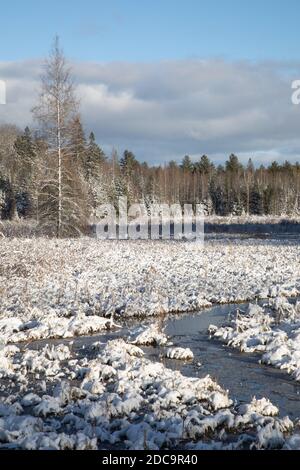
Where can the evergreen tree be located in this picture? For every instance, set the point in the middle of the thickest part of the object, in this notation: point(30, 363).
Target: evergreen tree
point(95, 157)
point(256, 206)
point(26, 155)
point(187, 164)
point(129, 174)
point(78, 141)
point(6, 198)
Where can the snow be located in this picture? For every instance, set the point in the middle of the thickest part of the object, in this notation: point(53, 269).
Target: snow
point(112, 395)
point(109, 393)
point(151, 335)
point(53, 326)
point(182, 354)
point(273, 331)
point(262, 406)
point(51, 288)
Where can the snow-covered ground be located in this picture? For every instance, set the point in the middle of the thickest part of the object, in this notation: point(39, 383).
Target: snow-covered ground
point(252, 219)
point(48, 287)
point(110, 395)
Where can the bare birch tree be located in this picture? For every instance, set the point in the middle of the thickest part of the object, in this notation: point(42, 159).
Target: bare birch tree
point(62, 201)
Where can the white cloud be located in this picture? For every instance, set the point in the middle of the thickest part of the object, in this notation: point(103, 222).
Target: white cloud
point(167, 109)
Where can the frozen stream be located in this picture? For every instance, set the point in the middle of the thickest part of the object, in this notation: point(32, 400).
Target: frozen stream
point(240, 373)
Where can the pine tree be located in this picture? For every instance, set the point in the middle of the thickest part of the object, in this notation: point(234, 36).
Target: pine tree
point(6, 198)
point(256, 203)
point(26, 154)
point(187, 164)
point(95, 157)
point(129, 174)
point(10, 163)
point(78, 141)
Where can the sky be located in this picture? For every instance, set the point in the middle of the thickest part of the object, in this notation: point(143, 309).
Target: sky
point(165, 78)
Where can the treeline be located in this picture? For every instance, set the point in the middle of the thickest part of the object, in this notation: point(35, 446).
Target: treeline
point(58, 176)
point(95, 178)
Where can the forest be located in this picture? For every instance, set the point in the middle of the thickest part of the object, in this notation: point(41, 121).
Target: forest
point(57, 175)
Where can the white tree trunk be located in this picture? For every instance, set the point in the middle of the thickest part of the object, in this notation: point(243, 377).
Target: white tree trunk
point(59, 222)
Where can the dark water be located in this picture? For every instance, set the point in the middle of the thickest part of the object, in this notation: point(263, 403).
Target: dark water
point(240, 373)
point(286, 230)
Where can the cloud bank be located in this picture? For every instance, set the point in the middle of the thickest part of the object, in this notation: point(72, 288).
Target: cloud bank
point(164, 110)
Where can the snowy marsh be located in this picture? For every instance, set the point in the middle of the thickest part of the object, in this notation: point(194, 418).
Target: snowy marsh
point(74, 390)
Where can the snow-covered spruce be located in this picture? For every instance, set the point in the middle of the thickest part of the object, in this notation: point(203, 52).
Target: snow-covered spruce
point(272, 330)
point(54, 400)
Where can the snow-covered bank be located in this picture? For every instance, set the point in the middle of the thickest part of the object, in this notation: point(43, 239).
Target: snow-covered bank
point(112, 397)
point(49, 287)
point(273, 331)
point(252, 219)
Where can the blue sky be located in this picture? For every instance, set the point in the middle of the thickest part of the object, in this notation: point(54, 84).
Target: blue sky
point(149, 30)
point(164, 78)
